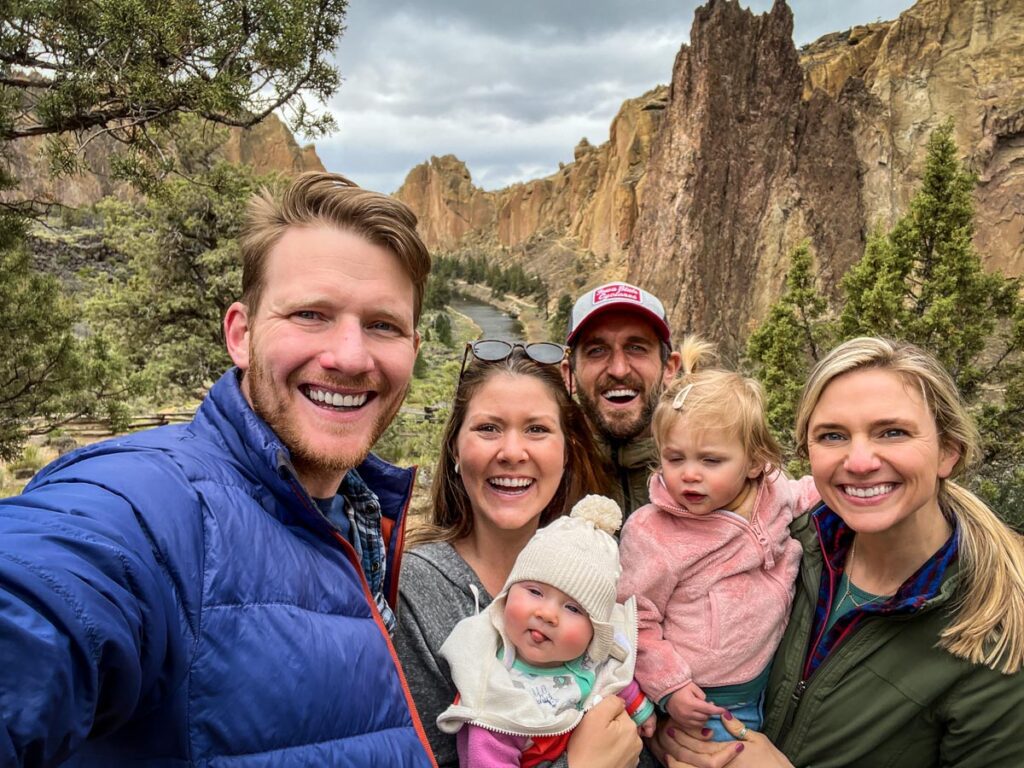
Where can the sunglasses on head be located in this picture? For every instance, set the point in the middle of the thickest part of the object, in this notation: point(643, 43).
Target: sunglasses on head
point(495, 351)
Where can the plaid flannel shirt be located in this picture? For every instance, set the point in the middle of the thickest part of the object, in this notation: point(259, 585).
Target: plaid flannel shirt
point(835, 539)
point(362, 511)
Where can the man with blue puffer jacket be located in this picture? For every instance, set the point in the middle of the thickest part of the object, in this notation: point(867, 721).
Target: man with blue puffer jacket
point(220, 593)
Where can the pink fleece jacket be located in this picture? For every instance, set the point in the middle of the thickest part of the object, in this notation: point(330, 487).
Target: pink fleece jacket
point(713, 591)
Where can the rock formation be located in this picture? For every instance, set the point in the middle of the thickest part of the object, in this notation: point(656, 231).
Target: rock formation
point(703, 189)
point(743, 169)
point(942, 58)
point(267, 146)
point(578, 221)
point(270, 146)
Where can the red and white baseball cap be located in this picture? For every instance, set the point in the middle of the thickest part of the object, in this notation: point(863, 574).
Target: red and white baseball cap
point(618, 297)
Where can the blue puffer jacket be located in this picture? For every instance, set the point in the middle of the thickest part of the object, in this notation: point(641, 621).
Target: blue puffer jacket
point(173, 598)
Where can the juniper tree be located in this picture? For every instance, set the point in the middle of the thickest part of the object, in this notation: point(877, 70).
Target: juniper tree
point(443, 329)
point(924, 281)
point(71, 71)
point(558, 322)
point(794, 336)
point(129, 70)
point(164, 308)
point(49, 372)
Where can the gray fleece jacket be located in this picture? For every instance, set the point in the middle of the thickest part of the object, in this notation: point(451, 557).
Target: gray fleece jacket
point(435, 592)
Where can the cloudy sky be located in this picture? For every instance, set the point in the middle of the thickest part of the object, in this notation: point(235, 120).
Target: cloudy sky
point(510, 86)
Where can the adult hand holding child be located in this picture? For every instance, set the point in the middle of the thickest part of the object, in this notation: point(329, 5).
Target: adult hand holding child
point(677, 747)
point(606, 736)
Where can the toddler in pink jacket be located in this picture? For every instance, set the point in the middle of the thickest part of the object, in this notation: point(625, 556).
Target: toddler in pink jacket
point(710, 559)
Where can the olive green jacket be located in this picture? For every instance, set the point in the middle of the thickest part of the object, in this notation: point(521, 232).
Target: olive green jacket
point(629, 466)
point(888, 696)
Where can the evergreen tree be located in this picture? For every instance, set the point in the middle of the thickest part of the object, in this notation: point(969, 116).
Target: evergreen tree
point(50, 372)
point(74, 70)
point(419, 368)
point(793, 337)
point(438, 293)
point(558, 323)
point(443, 329)
point(166, 306)
point(143, 73)
point(922, 282)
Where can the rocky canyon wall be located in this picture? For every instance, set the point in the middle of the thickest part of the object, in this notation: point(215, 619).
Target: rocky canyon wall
point(267, 146)
point(743, 169)
point(704, 187)
point(578, 221)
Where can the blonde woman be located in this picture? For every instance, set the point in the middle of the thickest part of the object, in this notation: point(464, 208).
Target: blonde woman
point(906, 639)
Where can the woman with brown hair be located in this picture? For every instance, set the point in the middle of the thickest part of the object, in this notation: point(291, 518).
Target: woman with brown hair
point(515, 454)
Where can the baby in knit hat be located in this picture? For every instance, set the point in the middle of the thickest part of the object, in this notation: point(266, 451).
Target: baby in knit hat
point(550, 646)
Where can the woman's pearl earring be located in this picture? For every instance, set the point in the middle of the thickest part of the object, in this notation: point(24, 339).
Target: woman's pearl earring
point(457, 467)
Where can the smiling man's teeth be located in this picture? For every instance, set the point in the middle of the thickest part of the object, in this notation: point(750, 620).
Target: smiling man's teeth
point(511, 482)
point(621, 393)
point(867, 493)
point(337, 399)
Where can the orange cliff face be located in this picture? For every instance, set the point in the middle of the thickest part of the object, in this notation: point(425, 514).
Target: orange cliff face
point(449, 207)
point(267, 146)
point(583, 213)
point(704, 188)
point(270, 146)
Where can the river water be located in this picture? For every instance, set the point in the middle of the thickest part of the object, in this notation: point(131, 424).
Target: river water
point(494, 323)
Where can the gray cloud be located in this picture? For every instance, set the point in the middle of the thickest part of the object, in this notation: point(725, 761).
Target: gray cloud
point(510, 88)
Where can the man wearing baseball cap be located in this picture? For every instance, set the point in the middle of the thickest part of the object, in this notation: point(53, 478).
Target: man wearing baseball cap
point(620, 359)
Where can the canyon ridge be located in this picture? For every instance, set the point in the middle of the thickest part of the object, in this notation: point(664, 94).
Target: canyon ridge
point(706, 185)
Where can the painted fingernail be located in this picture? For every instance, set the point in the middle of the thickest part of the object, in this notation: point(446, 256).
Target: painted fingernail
point(727, 715)
point(671, 732)
point(705, 732)
point(739, 747)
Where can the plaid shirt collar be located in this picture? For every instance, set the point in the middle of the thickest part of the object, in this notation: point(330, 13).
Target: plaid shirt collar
point(362, 508)
point(835, 539)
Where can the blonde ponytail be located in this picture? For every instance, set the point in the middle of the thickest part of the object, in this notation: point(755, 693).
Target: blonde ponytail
point(988, 627)
point(696, 354)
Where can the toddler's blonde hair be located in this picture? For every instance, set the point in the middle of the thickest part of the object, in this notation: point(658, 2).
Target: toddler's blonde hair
point(714, 398)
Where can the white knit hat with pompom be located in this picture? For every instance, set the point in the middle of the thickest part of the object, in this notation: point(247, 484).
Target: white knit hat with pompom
point(578, 554)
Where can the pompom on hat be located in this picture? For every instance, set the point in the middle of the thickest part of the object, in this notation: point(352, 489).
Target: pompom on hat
point(578, 554)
